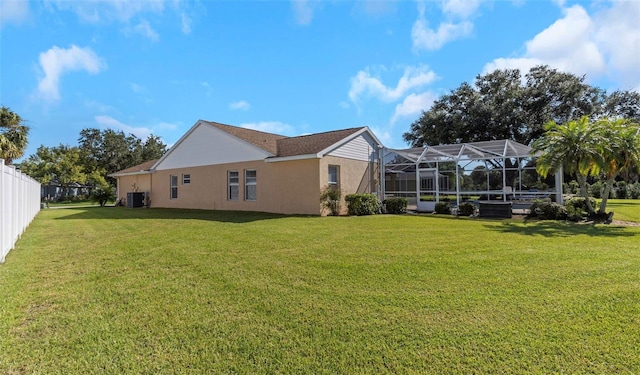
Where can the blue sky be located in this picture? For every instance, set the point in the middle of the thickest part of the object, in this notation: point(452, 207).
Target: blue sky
point(287, 67)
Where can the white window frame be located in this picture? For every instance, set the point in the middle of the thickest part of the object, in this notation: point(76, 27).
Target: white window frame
point(248, 183)
point(231, 184)
point(173, 186)
point(333, 183)
point(186, 179)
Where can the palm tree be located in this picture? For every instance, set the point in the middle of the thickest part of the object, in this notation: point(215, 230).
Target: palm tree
point(576, 146)
point(622, 155)
point(13, 135)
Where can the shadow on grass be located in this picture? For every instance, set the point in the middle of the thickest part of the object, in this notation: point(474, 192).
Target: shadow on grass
point(115, 213)
point(561, 229)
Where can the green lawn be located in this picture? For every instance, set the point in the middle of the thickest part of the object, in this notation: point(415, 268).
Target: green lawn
point(73, 204)
point(113, 290)
point(624, 209)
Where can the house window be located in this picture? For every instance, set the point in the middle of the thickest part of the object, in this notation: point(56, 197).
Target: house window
point(233, 179)
point(250, 185)
point(334, 176)
point(174, 187)
point(186, 179)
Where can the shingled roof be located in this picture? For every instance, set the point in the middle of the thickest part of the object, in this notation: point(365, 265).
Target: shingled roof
point(280, 146)
point(283, 146)
point(263, 140)
point(312, 143)
point(140, 168)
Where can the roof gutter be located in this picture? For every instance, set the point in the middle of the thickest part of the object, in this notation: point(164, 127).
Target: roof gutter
point(129, 173)
point(294, 157)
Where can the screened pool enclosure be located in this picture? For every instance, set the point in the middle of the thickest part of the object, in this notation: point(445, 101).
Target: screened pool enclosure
point(499, 171)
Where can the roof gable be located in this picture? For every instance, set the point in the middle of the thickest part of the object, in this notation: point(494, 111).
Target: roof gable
point(208, 143)
point(211, 143)
point(312, 143)
point(263, 140)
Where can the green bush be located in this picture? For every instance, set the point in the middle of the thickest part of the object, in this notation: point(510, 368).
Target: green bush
point(634, 190)
point(572, 187)
point(621, 190)
point(580, 203)
point(443, 208)
point(466, 209)
point(597, 189)
point(102, 195)
point(545, 209)
point(395, 205)
point(362, 204)
point(576, 208)
point(330, 199)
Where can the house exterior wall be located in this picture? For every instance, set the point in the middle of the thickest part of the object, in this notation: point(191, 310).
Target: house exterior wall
point(363, 147)
point(133, 183)
point(287, 187)
point(290, 187)
point(355, 176)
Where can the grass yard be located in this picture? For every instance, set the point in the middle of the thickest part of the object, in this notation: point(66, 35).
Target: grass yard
point(624, 209)
point(113, 290)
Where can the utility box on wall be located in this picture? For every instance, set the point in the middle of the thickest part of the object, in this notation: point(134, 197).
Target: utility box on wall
point(135, 200)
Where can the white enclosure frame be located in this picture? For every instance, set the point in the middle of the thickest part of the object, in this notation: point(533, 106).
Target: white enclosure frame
point(416, 169)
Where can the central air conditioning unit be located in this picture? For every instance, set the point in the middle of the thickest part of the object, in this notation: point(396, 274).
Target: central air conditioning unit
point(135, 200)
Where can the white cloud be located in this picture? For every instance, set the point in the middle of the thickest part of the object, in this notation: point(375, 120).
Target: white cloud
point(241, 105)
point(427, 38)
point(606, 43)
point(95, 11)
point(302, 11)
point(108, 122)
point(413, 105)
point(13, 11)
point(165, 126)
point(618, 35)
point(275, 127)
point(430, 39)
point(126, 12)
point(460, 8)
point(57, 61)
point(524, 64)
point(185, 22)
point(365, 84)
point(144, 28)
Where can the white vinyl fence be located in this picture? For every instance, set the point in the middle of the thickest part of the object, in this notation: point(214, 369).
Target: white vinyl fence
point(19, 204)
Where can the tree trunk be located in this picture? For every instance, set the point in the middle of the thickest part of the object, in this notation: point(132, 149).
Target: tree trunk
point(582, 180)
point(605, 194)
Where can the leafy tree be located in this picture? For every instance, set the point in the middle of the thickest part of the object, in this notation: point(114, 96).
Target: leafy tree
point(153, 148)
point(577, 146)
point(61, 164)
point(111, 150)
point(552, 95)
point(501, 105)
point(621, 154)
point(623, 104)
point(13, 135)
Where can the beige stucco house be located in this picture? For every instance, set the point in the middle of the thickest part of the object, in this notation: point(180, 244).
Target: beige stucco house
point(222, 167)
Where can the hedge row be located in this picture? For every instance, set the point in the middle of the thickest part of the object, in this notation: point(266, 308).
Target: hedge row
point(368, 204)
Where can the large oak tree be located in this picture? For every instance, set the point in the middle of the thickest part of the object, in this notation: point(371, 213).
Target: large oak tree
point(505, 105)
